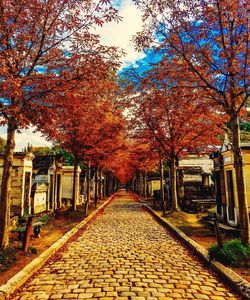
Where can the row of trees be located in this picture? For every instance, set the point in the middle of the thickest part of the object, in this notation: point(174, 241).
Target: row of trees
point(56, 75)
point(200, 83)
point(172, 121)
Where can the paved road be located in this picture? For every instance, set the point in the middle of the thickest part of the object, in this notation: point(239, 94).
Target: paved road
point(125, 254)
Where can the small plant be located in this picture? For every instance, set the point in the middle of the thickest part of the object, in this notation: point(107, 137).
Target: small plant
point(233, 253)
point(44, 219)
point(7, 258)
point(32, 250)
point(212, 210)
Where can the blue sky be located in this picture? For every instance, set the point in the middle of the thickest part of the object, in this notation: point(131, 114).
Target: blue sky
point(112, 34)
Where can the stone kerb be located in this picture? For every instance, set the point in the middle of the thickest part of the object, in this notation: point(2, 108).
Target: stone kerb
point(22, 276)
point(238, 283)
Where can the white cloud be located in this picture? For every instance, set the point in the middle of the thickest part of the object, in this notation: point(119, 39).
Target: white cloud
point(27, 136)
point(120, 34)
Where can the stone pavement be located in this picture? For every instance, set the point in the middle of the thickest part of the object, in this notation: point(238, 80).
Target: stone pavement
point(124, 254)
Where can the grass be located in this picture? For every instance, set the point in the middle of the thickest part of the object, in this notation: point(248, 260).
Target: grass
point(233, 253)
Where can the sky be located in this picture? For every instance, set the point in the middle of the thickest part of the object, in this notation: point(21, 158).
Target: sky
point(111, 34)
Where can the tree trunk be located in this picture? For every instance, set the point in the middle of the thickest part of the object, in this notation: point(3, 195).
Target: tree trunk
point(111, 190)
point(136, 183)
point(141, 182)
point(75, 185)
point(162, 196)
point(240, 181)
point(112, 184)
point(28, 231)
point(223, 189)
point(105, 185)
point(96, 186)
point(174, 198)
point(115, 184)
point(6, 187)
point(109, 183)
point(88, 189)
point(100, 185)
point(145, 184)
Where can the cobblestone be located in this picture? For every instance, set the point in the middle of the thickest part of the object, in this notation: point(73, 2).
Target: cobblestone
point(125, 254)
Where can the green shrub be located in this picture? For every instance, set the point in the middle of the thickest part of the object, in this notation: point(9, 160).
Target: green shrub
point(32, 250)
point(45, 218)
point(7, 258)
point(233, 253)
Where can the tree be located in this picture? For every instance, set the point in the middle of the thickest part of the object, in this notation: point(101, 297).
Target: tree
point(144, 157)
point(54, 150)
point(85, 123)
point(109, 137)
point(43, 45)
point(122, 165)
point(209, 42)
point(174, 120)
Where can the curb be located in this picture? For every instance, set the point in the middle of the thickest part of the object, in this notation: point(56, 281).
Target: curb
point(235, 281)
point(22, 276)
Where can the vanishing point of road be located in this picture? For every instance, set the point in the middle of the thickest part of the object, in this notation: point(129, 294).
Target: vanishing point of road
point(125, 254)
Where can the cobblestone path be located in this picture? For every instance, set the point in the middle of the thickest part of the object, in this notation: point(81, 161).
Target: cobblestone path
point(125, 254)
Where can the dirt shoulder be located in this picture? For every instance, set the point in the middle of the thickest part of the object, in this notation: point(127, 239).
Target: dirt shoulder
point(59, 224)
